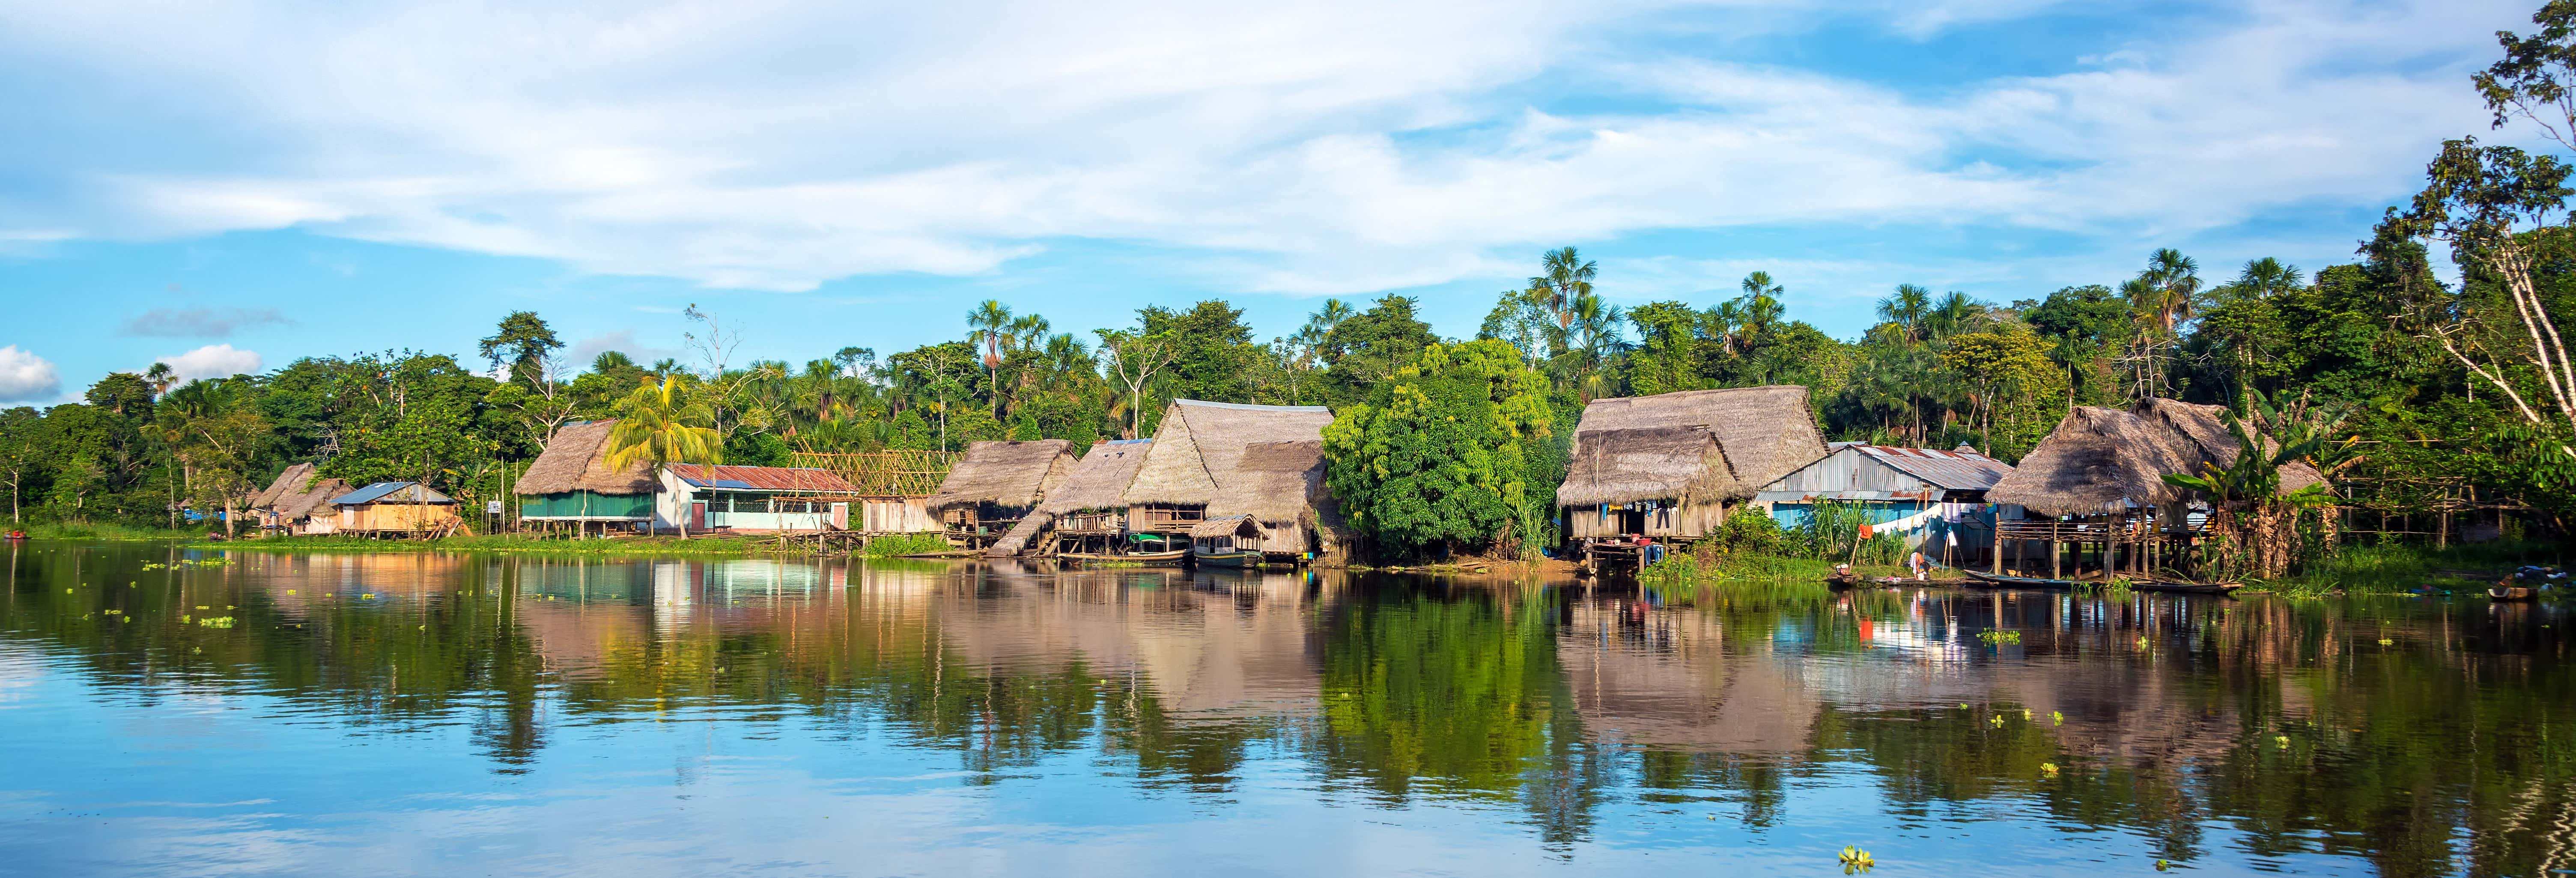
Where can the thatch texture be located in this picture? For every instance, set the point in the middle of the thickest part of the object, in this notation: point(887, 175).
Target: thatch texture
point(1100, 480)
point(2102, 460)
point(296, 494)
point(1759, 434)
point(1232, 525)
point(1007, 474)
point(577, 460)
point(1275, 482)
point(1201, 444)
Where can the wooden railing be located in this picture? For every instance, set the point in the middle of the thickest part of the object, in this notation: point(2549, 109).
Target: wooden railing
point(884, 473)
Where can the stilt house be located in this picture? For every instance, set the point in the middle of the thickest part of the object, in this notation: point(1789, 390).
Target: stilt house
point(571, 484)
point(1279, 488)
point(1670, 465)
point(990, 495)
point(1198, 463)
point(1087, 510)
point(288, 504)
point(2098, 480)
point(1931, 497)
point(397, 509)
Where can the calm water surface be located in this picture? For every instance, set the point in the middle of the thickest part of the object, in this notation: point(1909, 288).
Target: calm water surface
point(471, 715)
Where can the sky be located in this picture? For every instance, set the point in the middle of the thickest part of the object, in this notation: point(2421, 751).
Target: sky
point(231, 185)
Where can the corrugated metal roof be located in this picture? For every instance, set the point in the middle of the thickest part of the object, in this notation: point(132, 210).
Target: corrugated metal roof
point(383, 491)
point(764, 478)
point(1958, 470)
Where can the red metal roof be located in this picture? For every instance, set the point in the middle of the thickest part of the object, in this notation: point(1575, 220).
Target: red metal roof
point(764, 478)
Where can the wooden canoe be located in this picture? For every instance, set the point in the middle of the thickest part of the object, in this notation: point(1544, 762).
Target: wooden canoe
point(1998, 580)
point(1144, 559)
point(2512, 593)
point(2185, 587)
point(1227, 559)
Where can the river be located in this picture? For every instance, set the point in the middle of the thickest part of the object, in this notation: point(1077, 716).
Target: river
point(207, 713)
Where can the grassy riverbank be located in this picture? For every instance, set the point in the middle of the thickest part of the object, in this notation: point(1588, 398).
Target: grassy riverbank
point(736, 546)
point(2410, 569)
point(56, 530)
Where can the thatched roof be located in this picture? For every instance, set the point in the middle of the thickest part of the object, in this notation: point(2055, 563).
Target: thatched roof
point(577, 460)
point(1200, 445)
point(1643, 448)
point(296, 493)
point(2103, 460)
point(1099, 480)
point(1233, 525)
point(1275, 482)
point(1008, 474)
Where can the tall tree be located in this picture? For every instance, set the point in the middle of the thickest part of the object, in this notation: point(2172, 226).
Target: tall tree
point(527, 345)
point(661, 425)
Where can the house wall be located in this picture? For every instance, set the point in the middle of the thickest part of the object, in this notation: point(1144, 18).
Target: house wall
point(1848, 470)
point(586, 506)
point(395, 516)
point(1684, 522)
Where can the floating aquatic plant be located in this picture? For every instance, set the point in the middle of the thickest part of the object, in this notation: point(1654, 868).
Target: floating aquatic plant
point(2055, 717)
point(1856, 860)
point(2048, 769)
point(2000, 637)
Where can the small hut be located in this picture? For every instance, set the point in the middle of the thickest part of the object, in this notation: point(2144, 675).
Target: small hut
point(571, 484)
point(1198, 453)
point(1279, 486)
point(1225, 534)
point(1668, 465)
point(2098, 480)
point(288, 504)
point(397, 509)
point(1088, 510)
point(992, 490)
point(1931, 497)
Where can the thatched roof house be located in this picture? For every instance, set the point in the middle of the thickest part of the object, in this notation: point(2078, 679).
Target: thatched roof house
point(1008, 475)
point(291, 499)
point(572, 481)
point(1099, 480)
point(1213, 459)
point(2102, 460)
point(1667, 464)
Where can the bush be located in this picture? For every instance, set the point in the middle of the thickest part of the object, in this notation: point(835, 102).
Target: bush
point(1750, 533)
point(907, 544)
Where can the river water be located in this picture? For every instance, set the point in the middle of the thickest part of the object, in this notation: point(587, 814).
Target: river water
point(203, 713)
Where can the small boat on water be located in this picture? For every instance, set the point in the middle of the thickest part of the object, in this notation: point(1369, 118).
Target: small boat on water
point(2512, 593)
point(2185, 587)
point(1244, 559)
point(1172, 558)
point(1998, 580)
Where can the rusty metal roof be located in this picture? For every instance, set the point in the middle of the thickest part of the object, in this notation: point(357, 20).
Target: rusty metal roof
point(763, 478)
point(1959, 469)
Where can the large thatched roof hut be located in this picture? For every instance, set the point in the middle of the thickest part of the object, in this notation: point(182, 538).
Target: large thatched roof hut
point(571, 481)
point(2105, 460)
point(1668, 464)
point(1212, 459)
point(288, 503)
point(1003, 475)
point(1088, 509)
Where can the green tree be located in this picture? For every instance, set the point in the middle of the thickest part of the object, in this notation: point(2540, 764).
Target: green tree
point(1438, 456)
point(527, 344)
point(660, 424)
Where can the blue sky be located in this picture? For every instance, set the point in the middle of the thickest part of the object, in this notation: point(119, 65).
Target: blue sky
point(230, 186)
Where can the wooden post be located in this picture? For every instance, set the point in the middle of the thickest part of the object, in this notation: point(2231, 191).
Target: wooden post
point(1999, 541)
point(2056, 550)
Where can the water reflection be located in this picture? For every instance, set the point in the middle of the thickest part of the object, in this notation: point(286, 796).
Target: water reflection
point(2400, 737)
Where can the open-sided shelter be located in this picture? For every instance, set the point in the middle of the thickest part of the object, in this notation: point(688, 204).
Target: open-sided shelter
point(1668, 465)
point(288, 504)
point(2098, 479)
point(1197, 460)
point(397, 509)
point(572, 485)
point(1088, 509)
point(996, 486)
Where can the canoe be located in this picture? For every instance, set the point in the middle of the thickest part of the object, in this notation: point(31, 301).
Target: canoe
point(1228, 559)
point(1998, 580)
point(2185, 587)
point(2512, 593)
point(1143, 559)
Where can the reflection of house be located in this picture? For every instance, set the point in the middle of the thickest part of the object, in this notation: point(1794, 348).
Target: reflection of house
point(1668, 680)
point(1667, 465)
point(1086, 509)
point(1928, 494)
point(758, 499)
point(288, 505)
point(1198, 459)
point(397, 509)
point(572, 483)
point(993, 490)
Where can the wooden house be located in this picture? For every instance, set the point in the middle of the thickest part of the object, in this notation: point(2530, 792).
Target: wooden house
point(1929, 496)
point(290, 502)
point(990, 494)
point(2098, 480)
point(572, 486)
point(1669, 465)
point(1087, 510)
point(1279, 486)
point(754, 499)
point(1223, 535)
point(1197, 463)
point(397, 509)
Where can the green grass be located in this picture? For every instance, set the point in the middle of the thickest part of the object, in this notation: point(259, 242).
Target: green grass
point(2404, 569)
point(509, 543)
point(107, 532)
point(907, 544)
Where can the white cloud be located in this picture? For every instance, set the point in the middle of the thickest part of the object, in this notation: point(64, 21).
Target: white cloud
point(25, 377)
point(622, 341)
point(201, 322)
point(213, 361)
point(1297, 149)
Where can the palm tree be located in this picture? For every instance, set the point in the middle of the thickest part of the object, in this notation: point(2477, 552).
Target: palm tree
point(991, 325)
point(1565, 276)
point(1951, 315)
point(2174, 280)
point(660, 425)
point(1907, 309)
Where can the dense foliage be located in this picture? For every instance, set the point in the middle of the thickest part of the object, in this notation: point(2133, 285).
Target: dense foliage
point(1438, 456)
